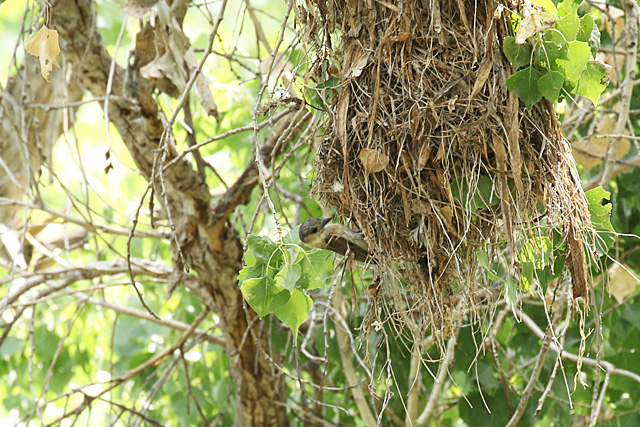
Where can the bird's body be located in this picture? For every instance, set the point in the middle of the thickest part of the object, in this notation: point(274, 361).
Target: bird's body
point(318, 233)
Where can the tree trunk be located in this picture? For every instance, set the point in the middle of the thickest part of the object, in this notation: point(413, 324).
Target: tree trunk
point(202, 237)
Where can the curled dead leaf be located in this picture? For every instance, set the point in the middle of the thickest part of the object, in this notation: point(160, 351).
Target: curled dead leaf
point(373, 160)
point(534, 24)
point(166, 73)
point(358, 66)
point(44, 45)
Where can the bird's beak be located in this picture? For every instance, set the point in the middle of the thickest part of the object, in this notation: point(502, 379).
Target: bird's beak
point(325, 221)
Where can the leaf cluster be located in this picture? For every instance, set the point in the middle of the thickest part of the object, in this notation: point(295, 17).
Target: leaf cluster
point(277, 276)
point(554, 53)
point(543, 258)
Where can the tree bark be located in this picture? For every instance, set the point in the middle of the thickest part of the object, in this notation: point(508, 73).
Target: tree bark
point(198, 222)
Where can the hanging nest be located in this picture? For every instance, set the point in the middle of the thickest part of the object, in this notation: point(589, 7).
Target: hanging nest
point(431, 155)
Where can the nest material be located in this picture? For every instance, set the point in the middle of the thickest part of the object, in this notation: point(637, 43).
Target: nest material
point(422, 122)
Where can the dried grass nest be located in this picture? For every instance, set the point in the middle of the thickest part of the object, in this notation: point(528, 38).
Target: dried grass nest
point(421, 124)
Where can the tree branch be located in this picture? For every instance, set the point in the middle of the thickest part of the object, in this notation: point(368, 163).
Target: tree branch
point(631, 30)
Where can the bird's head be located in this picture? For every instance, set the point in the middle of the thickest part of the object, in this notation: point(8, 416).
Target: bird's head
point(311, 227)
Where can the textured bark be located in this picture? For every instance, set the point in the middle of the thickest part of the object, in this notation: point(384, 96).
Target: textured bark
point(134, 112)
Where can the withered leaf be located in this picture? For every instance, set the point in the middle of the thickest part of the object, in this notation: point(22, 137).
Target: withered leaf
point(44, 45)
point(373, 160)
point(534, 24)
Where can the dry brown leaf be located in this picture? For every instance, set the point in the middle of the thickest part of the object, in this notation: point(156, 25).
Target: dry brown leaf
point(440, 153)
point(341, 117)
point(373, 160)
point(622, 282)
point(425, 151)
point(421, 207)
point(166, 73)
point(513, 145)
point(358, 66)
point(44, 45)
point(613, 14)
point(202, 86)
point(534, 24)
point(483, 74)
point(281, 69)
point(576, 262)
point(447, 214)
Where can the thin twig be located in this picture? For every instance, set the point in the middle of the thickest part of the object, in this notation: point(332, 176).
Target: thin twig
point(443, 370)
point(631, 30)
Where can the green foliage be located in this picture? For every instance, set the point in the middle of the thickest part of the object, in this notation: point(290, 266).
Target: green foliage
point(556, 59)
point(483, 195)
point(533, 257)
point(600, 218)
point(519, 54)
point(324, 93)
point(536, 255)
point(524, 83)
point(550, 84)
point(281, 278)
point(276, 277)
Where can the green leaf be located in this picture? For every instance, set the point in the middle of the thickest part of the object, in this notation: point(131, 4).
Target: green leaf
point(547, 52)
point(550, 85)
point(594, 40)
point(324, 93)
point(316, 269)
point(288, 276)
point(258, 280)
point(251, 272)
point(524, 83)
point(518, 54)
point(545, 276)
point(601, 219)
point(591, 81)
point(264, 296)
point(483, 260)
point(585, 28)
point(568, 22)
point(292, 236)
point(10, 346)
point(180, 406)
point(534, 255)
point(511, 292)
point(262, 250)
point(526, 277)
point(537, 251)
point(589, 33)
point(296, 311)
point(483, 195)
point(577, 55)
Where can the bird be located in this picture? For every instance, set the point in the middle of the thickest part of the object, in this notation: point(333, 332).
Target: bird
point(318, 233)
